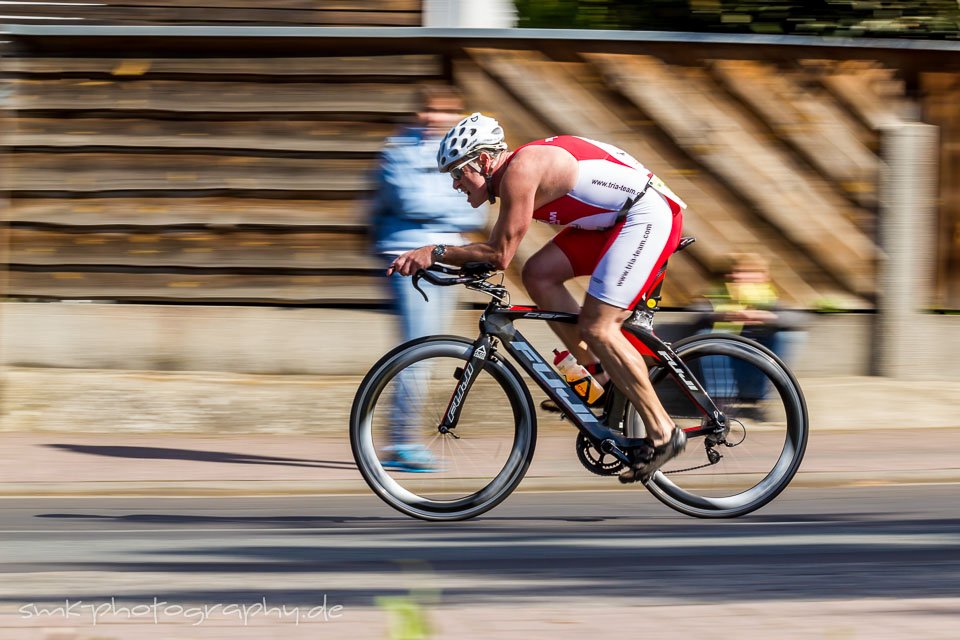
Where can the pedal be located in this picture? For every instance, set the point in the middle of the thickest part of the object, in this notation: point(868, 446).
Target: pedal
point(609, 446)
point(638, 455)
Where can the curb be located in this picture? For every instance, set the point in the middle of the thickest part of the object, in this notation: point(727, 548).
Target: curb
point(536, 484)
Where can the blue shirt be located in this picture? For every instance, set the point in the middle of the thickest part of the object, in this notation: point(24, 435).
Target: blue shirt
point(415, 204)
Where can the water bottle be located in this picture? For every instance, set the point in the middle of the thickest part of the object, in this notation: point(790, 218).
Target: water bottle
point(577, 377)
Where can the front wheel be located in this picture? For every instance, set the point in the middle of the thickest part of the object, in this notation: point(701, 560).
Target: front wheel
point(396, 442)
point(768, 422)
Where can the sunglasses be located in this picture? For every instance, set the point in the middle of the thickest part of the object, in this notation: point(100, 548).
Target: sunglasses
point(457, 172)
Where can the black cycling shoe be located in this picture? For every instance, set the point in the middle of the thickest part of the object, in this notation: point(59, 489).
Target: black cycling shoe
point(644, 470)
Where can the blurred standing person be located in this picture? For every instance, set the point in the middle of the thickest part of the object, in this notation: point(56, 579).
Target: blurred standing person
point(414, 206)
point(747, 304)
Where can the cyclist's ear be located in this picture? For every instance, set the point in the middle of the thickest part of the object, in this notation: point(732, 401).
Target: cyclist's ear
point(484, 160)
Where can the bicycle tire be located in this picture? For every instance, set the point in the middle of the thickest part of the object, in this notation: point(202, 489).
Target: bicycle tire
point(435, 496)
point(754, 471)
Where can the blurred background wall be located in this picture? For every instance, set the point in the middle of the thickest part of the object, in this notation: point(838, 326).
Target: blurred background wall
point(193, 198)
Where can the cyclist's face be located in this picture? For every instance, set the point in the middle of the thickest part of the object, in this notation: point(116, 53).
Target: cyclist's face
point(469, 180)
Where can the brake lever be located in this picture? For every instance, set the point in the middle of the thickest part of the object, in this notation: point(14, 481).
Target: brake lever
point(416, 279)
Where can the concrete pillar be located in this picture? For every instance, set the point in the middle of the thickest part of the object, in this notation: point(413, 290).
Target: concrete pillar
point(473, 14)
point(907, 228)
point(7, 115)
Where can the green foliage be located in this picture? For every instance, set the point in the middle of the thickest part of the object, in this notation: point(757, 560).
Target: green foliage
point(408, 620)
point(931, 19)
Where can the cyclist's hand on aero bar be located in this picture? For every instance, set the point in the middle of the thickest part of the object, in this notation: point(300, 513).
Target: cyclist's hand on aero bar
point(410, 262)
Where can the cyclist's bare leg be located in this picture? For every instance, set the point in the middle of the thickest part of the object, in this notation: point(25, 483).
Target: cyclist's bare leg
point(544, 275)
point(600, 328)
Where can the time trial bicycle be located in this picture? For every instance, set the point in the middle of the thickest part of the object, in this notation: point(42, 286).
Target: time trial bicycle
point(474, 414)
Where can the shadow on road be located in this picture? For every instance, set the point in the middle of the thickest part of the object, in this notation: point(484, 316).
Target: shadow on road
point(162, 453)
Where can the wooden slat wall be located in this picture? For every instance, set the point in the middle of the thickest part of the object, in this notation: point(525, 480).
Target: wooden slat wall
point(810, 122)
point(175, 96)
point(871, 92)
point(190, 248)
point(108, 172)
point(876, 95)
point(207, 165)
point(694, 112)
point(295, 134)
point(342, 13)
point(186, 180)
point(941, 93)
point(388, 65)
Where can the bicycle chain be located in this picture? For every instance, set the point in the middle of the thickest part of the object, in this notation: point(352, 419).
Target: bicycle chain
point(699, 466)
point(710, 463)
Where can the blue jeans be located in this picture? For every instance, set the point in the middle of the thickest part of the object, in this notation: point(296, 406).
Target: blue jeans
point(418, 318)
point(725, 377)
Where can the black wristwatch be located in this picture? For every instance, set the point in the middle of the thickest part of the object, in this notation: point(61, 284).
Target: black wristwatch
point(438, 252)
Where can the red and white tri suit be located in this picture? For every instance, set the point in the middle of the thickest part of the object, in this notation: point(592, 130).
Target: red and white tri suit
point(621, 222)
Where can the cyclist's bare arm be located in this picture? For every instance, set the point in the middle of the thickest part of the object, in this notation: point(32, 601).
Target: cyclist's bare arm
point(516, 212)
point(498, 250)
point(517, 192)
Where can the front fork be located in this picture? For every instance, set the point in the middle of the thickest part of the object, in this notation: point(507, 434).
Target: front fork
point(482, 349)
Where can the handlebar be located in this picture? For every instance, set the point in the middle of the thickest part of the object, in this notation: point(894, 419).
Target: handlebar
point(470, 273)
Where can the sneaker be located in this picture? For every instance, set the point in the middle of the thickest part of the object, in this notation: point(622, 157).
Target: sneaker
point(660, 456)
point(550, 405)
point(412, 458)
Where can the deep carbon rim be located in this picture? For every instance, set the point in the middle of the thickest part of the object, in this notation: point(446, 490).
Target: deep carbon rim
point(796, 433)
point(393, 492)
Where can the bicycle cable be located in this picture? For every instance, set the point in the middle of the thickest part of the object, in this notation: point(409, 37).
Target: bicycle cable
point(714, 456)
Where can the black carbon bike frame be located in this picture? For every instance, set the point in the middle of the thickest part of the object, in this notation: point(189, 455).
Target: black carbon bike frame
point(496, 325)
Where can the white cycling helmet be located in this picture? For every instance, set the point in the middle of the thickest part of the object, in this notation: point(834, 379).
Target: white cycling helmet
point(471, 135)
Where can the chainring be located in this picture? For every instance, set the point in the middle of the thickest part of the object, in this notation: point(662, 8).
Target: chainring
point(596, 461)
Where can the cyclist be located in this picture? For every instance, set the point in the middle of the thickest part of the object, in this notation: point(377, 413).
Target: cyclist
point(621, 224)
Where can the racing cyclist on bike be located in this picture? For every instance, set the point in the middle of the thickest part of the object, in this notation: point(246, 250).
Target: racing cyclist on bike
point(621, 224)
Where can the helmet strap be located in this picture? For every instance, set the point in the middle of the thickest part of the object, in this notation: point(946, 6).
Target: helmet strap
point(488, 180)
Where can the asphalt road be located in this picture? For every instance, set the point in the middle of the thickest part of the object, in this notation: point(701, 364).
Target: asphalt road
point(855, 562)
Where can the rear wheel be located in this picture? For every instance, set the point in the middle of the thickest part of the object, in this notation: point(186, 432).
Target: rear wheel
point(768, 433)
point(409, 463)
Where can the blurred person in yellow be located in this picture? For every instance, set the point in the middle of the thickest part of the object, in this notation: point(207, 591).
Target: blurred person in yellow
point(621, 224)
point(413, 206)
point(748, 297)
point(747, 304)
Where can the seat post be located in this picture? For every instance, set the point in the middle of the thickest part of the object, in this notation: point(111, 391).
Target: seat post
point(649, 303)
